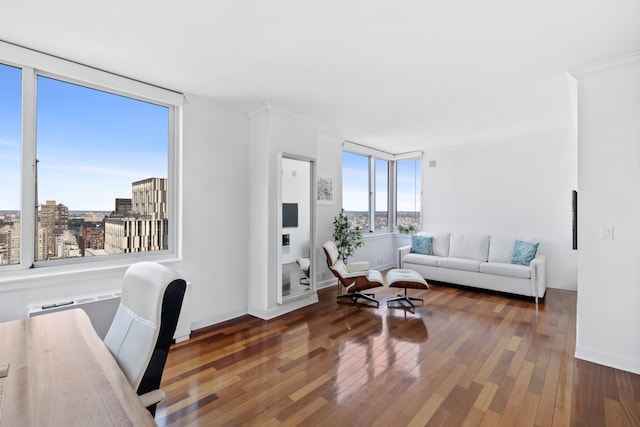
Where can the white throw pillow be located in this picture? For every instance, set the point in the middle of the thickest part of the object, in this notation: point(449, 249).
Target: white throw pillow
point(501, 248)
point(440, 242)
point(469, 246)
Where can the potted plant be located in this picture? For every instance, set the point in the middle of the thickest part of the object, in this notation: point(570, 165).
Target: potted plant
point(347, 239)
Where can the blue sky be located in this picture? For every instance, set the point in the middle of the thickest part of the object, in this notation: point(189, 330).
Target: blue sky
point(91, 145)
point(355, 184)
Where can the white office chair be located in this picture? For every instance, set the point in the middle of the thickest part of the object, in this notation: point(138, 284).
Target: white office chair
point(143, 327)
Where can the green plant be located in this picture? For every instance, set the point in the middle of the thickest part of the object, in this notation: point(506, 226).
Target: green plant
point(403, 229)
point(347, 239)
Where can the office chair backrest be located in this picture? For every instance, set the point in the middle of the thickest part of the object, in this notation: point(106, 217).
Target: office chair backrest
point(143, 327)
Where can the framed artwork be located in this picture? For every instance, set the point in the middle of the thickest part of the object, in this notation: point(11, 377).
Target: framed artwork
point(325, 190)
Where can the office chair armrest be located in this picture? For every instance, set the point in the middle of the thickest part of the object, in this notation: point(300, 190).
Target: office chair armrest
point(152, 397)
point(354, 267)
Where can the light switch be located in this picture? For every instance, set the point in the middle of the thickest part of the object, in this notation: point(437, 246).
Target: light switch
point(606, 232)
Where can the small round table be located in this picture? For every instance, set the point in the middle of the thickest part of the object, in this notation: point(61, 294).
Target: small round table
point(402, 278)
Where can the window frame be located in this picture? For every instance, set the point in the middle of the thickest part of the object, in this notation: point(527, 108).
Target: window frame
point(34, 64)
point(392, 191)
point(418, 180)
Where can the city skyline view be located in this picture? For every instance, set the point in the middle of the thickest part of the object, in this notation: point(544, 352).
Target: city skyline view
point(91, 145)
point(101, 170)
point(355, 191)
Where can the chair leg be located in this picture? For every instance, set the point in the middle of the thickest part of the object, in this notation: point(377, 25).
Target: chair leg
point(406, 298)
point(355, 296)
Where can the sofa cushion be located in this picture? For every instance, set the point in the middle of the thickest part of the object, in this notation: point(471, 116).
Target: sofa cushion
point(440, 242)
point(460, 264)
point(501, 248)
point(422, 245)
point(430, 260)
point(523, 252)
point(504, 269)
point(469, 246)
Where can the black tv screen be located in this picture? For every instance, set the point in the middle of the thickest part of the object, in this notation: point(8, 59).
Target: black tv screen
point(289, 215)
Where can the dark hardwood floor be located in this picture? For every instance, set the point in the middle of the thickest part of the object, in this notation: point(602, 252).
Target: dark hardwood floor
point(465, 358)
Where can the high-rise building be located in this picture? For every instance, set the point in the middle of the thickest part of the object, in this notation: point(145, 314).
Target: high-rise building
point(90, 238)
point(41, 244)
point(52, 216)
point(128, 235)
point(10, 243)
point(145, 228)
point(65, 244)
point(123, 208)
point(149, 198)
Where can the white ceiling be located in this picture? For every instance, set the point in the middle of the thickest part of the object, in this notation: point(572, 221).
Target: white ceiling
point(396, 75)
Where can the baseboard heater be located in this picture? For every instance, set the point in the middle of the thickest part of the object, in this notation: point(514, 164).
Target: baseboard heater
point(102, 308)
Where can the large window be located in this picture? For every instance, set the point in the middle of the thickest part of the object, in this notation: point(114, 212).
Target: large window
point(381, 191)
point(355, 189)
point(408, 194)
point(92, 174)
point(381, 194)
point(10, 112)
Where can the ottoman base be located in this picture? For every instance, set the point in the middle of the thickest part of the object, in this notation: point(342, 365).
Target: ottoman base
point(400, 278)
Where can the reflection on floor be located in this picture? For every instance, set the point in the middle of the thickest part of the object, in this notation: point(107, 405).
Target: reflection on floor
point(292, 275)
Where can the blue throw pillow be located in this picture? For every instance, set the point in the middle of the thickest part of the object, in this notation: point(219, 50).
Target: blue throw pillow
point(422, 245)
point(523, 252)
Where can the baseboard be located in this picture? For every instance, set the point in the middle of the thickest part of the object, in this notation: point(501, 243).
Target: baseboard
point(608, 359)
point(217, 319)
point(385, 266)
point(326, 283)
point(284, 308)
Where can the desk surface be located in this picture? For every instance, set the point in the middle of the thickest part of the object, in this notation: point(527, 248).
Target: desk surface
point(61, 374)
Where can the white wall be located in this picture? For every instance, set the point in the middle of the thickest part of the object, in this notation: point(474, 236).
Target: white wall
point(609, 195)
point(272, 131)
point(215, 210)
point(517, 187)
point(329, 163)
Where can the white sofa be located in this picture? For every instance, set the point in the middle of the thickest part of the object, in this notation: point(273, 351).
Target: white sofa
point(477, 260)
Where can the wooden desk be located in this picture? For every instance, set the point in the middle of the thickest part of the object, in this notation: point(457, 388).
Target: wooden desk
point(61, 374)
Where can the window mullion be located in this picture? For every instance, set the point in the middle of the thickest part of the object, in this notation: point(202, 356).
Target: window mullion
point(372, 193)
point(28, 231)
point(393, 196)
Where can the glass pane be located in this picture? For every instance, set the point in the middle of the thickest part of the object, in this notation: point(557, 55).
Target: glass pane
point(382, 194)
point(409, 201)
point(10, 137)
point(355, 189)
point(102, 172)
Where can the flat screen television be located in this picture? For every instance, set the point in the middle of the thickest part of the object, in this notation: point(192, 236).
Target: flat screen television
point(289, 215)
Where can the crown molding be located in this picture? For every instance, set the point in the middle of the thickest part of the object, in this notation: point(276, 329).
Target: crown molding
point(270, 107)
point(365, 150)
point(607, 66)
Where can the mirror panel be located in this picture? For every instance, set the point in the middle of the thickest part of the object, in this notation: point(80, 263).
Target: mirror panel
point(297, 231)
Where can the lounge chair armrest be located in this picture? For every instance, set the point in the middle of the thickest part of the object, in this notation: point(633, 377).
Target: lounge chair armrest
point(353, 267)
point(356, 274)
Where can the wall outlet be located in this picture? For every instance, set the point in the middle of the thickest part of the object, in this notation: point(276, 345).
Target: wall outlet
point(606, 232)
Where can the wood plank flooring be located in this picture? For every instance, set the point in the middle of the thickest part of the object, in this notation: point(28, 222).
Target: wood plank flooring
point(465, 358)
